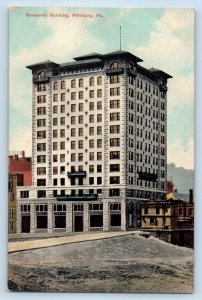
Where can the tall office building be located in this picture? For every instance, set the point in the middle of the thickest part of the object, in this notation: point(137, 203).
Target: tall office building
point(98, 142)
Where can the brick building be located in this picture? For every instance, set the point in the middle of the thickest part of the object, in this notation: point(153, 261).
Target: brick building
point(171, 220)
point(99, 143)
point(19, 164)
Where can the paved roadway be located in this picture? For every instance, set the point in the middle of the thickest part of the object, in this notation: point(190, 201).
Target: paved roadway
point(48, 241)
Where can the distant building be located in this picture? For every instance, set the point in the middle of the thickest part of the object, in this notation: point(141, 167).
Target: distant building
point(20, 174)
point(21, 165)
point(12, 184)
point(171, 220)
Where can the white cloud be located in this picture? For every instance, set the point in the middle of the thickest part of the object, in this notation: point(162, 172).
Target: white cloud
point(181, 91)
point(171, 45)
point(180, 155)
point(20, 140)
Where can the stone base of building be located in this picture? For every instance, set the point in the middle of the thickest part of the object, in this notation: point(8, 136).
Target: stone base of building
point(50, 215)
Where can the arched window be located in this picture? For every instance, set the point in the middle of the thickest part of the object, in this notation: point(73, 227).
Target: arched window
point(63, 84)
point(55, 85)
point(73, 83)
point(115, 65)
point(41, 75)
point(91, 81)
point(81, 82)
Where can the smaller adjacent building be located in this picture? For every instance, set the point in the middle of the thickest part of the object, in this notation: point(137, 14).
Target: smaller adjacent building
point(12, 184)
point(20, 174)
point(19, 164)
point(171, 220)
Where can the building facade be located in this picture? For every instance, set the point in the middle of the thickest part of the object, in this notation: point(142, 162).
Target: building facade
point(171, 220)
point(19, 164)
point(99, 142)
point(12, 203)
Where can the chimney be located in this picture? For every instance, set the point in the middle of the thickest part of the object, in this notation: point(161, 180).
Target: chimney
point(191, 197)
point(23, 154)
point(16, 156)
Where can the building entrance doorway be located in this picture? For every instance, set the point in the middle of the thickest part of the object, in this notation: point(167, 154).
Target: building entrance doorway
point(25, 223)
point(115, 220)
point(78, 223)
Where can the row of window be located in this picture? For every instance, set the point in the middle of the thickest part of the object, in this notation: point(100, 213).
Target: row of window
point(76, 207)
point(91, 94)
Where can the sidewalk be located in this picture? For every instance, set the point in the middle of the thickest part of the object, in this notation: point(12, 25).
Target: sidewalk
point(62, 240)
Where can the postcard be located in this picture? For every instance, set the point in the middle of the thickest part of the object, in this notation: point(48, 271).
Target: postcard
point(101, 150)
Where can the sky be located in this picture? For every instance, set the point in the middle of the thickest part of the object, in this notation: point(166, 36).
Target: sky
point(163, 38)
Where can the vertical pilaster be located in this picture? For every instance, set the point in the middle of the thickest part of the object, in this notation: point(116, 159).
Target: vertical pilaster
point(69, 217)
point(50, 217)
point(106, 224)
point(85, 217)
point(32, 218)
point(19, 219)
point(123, 215)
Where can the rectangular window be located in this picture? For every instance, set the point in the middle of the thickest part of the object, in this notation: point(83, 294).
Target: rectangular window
point(115, 91)
point(80, 106)
point(62, 145)
point(55, 109)
point(99, 93)
point(41, 99)
point(62, 132)
point(55, 133)
point(99, 105)
point(81, 95)
point(99, 118)
point(62, 108)
point(81, 82)
point(41, 110)
point(73, 95)
point(62, 97)
point(73, 157)
point(55, 85)
point(24, 194)
point(41, 122)
point(91, 130)
point(99, 155)
point(91, 143)
point(41, 182)
point(55, 146)
point(99, 130)
point(91, 81)
point(114, 116)
point(80, 157)
point(115, 168)
point(80, 131)
point(99, 80)
point(114, 192)
point(73, 132)
point(115, 79)
point(115, 155)
point(55, 97)
point(114, 180)
point(80, 119)
point(62, 121)
point(115, 129)
point(114, 142)
point(115, 104)
point(73, 107)
point(80, 144)
point(41, 134)
point(73, 83)
point(73, 120)
point(91, 118)
point(41, 158)
point(99, 143)
point(41, 171)
point(73, 145)
point(91, 94)
point(62, 84)
point(41, 87)
point(55, 121)
point(91, 105)
point(91, 169)
point(91, 155)
point(41, 147)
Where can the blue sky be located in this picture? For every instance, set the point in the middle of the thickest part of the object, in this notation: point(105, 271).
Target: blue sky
point(163, 38)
